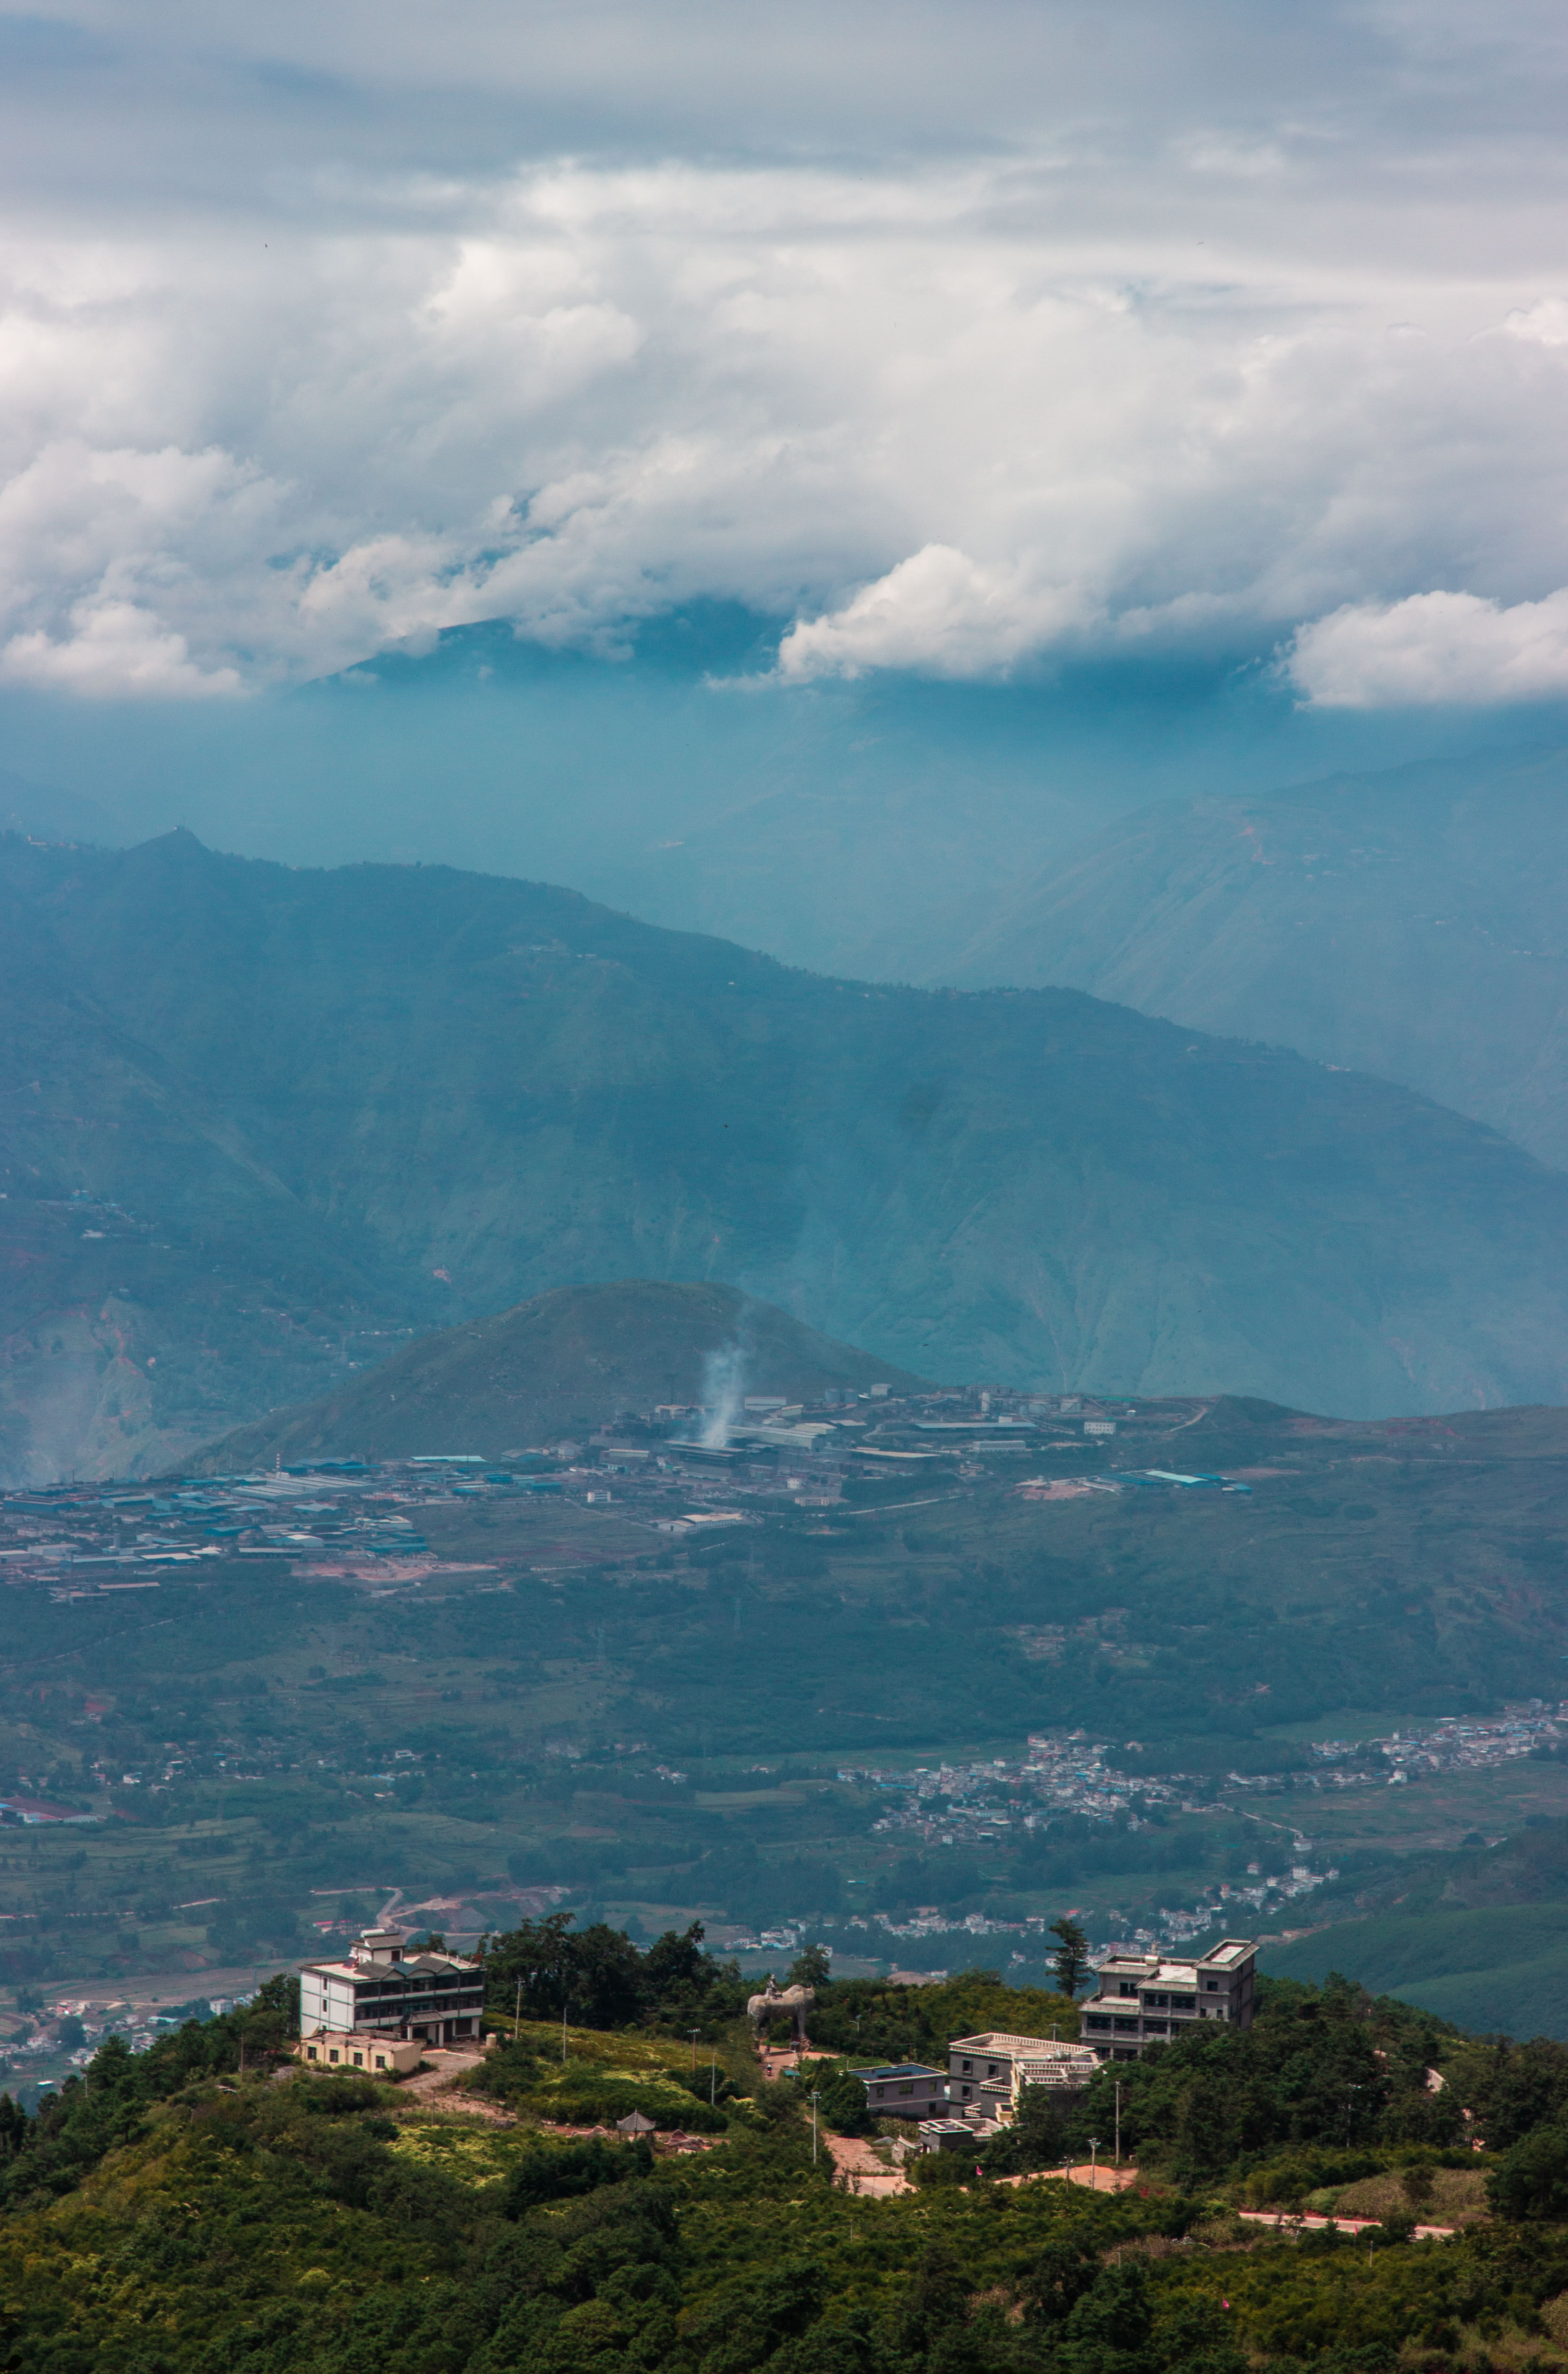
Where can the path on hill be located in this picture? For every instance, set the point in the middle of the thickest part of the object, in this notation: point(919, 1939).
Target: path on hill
point(1286, 2222)
point(427, 2084)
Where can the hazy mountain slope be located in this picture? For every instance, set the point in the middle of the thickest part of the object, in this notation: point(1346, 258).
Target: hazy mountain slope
point(439, 1093)
point(570, 1358)
point(159, 1281)
point(1413, 924)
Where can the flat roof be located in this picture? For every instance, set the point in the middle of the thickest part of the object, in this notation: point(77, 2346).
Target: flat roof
point(898, 2069)
point(995, 2039)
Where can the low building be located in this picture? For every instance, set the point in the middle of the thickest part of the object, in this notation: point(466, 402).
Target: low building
point(904, 2089)
point(350, 2049)
point(975, 2062)
point(1143, 1999)
point(946, 2134)
point(430, 1998)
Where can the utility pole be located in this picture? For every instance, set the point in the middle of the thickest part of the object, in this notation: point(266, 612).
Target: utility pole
point(1093, 2169)
point(565, 2002)
point(517, 2022)
point(1118, 2084)
point(815, 2099)
point(713, 2082)
point(694, 2033)
point(1350, 2105)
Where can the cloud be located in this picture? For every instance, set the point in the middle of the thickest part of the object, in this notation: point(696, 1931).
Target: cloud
point(114, 650)
point(1433, 649)
point(1083, 341)
point(939, 612)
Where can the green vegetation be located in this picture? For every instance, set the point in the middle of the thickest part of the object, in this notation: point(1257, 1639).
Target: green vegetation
point(302, 1750)
point(169, 2215)
point(443, 1093)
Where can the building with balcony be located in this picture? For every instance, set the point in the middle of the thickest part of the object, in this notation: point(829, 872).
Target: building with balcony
point(1143, 1999)
point(378, 1988)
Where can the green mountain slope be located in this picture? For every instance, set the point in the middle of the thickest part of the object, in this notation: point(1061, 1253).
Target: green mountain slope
point(401, 1097)
point(1408, 924)
point(573, 1357)
point(1478, 1938)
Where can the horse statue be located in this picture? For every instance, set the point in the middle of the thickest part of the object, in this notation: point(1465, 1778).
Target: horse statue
point(797, 2000)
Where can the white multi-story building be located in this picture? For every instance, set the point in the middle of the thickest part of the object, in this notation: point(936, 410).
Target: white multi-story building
point(379, 1989)
point(1143, 1999)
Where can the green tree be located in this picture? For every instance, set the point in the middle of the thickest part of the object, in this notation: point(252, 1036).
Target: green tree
point(813, 1967)
point(1073, 1956)
point(1532, 2181)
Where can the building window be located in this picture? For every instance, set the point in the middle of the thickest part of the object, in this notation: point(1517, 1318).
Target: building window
point(906, 2089)
point(1097, 2020)
point(359, 2060)
point(332, 2055)
point(967, 2066)
point(381, 2060)
point(310, 2052)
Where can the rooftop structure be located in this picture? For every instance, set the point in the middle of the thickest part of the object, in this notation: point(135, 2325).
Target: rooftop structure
point(991, 2059)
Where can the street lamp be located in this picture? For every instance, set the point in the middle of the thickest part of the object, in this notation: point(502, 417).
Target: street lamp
point(1119, 2086)
point(1093, 2167)
point(815, 2099)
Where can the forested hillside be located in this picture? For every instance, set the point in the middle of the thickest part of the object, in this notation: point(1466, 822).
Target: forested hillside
point(173, 2213)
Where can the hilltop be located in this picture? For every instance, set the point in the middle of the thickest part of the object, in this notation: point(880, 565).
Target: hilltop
point(263, 1124)
point(570, 1359)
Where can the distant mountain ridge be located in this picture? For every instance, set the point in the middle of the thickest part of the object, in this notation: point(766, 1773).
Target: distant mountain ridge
point(1412, 924)
point(260, 1121)
point(573, 1358)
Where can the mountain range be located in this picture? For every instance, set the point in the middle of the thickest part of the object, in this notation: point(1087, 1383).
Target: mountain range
point(1410, 924)
point(262, 1123)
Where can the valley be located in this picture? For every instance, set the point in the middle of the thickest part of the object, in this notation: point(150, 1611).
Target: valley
point(912, 1720)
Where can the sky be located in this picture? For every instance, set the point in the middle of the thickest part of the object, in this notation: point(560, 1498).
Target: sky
point(1074, 361)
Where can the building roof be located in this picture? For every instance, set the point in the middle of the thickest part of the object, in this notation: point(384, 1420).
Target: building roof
point(1039, 2048)
point(1175, 1969)
point(419, 1965)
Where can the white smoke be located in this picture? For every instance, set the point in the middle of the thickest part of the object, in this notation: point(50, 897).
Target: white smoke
point(724, 1391)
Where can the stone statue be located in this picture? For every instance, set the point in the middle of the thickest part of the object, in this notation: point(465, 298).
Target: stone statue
point(796, 2001)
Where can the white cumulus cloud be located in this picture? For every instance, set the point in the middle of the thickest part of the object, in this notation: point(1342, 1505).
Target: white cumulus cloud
point(1434, 648)
point(938, 612)
point(335, 327)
